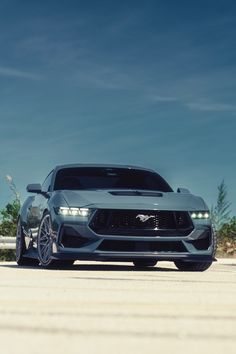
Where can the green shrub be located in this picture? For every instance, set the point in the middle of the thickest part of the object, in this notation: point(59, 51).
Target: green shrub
point(7, 255)
point(227, 238)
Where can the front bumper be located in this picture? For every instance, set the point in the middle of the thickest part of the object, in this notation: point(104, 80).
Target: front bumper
point(79, 242)
point(129, 257)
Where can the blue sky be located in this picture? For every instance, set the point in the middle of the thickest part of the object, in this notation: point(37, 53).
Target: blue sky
point(149, 83)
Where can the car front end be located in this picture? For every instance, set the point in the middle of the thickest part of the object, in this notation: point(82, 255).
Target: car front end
point(135, 224)
point(114, 213)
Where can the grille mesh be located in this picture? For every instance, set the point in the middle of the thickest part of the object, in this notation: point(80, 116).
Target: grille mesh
point(132, 246)
point(141, 223)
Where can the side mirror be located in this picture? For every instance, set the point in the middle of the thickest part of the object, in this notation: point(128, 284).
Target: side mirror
point(183, 190)
point(34, 188)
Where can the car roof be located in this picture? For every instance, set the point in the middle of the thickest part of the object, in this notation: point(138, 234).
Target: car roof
point(59, 167)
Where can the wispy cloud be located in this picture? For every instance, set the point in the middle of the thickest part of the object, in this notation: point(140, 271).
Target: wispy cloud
point(21, 74)
point(211, 106)
point(195, 103)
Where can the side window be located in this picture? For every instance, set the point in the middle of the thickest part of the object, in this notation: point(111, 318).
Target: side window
point(47, 183)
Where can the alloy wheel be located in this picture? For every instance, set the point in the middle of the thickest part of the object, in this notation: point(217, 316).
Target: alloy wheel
point(19, 242)
point(45, 240)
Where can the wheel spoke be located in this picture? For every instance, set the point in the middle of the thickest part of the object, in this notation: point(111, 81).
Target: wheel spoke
point(44, 245)
point(45, 240)
point(43, 232)
point(44, 250)
point(48, 250)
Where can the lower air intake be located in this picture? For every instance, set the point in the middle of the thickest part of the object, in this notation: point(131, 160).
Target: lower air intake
point(139, 246)
point(71, 238)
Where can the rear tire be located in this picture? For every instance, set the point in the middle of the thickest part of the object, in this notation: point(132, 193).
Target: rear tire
point(144, 263)
point(192, 266)
point(21, 260)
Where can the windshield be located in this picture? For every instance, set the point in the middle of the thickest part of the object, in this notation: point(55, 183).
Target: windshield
point(109, 178)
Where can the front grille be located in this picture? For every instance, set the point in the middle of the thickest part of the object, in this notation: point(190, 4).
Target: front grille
point(139, 246)
point(141, 223)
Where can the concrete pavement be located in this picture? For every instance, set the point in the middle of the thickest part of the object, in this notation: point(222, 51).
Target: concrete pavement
point(113, 308)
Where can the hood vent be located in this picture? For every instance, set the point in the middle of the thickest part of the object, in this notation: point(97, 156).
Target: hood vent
point(136, 194)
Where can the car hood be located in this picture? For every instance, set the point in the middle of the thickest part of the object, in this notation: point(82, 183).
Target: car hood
point(128, 199)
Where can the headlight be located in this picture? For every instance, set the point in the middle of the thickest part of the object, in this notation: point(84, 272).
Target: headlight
point(73, 211)
point(199, 215)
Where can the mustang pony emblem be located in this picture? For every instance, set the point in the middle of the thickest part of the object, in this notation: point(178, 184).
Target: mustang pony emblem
point(144, 218)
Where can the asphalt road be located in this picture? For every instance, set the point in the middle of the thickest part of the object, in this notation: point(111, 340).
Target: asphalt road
point(111, 308)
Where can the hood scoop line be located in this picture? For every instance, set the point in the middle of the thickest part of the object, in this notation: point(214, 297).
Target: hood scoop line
point(136, 194)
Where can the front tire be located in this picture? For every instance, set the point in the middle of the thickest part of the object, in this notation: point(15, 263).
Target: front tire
point(21, 260)
point(192, 266)
point(45, 242)
point(198, 266)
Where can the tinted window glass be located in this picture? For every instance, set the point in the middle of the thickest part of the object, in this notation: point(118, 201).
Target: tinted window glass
point(109, 178)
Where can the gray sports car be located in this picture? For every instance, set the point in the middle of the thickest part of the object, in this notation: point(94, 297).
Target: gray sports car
point(113, 213)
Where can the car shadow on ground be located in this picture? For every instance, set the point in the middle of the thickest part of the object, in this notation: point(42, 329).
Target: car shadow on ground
point(96, 267)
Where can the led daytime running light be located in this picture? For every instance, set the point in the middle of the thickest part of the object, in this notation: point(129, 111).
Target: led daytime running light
point(73, 211)
point(200, 215)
